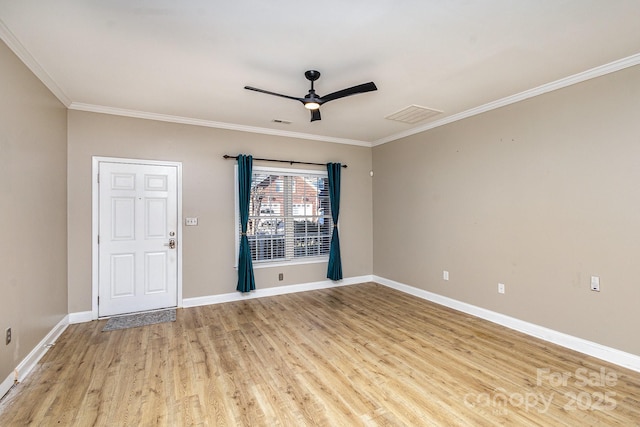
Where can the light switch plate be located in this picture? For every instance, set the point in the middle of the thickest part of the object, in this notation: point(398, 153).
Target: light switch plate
point(191, 221)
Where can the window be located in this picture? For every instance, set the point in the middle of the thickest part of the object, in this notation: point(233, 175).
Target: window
point(289, 216)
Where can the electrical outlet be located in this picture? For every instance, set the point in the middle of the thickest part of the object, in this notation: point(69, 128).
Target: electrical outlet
point(595, 283)
point(445, 275)
point(281, 276)
point(8, 336)
point(501, 288)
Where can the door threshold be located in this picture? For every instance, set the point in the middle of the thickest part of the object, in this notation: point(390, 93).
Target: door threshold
point(138, 312)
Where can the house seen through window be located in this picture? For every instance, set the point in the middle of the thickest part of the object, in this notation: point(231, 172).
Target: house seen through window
point(289, 215)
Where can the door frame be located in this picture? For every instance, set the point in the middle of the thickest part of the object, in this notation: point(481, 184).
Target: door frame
point(95, 222)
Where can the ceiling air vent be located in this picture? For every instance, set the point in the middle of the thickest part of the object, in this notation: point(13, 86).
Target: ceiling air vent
point(283, 122)
point(413, 114)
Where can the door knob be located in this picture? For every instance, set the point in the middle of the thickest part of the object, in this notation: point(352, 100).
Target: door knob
point(171, 244)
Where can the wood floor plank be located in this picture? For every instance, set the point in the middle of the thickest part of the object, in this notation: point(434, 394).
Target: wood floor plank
point(354, 355)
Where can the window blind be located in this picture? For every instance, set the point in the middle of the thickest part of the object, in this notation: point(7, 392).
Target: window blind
point(289, 215)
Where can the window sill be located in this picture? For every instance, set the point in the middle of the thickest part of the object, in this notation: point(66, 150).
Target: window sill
point(260, 265)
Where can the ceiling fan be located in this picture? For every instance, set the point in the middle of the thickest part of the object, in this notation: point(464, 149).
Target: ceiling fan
point(312, 101)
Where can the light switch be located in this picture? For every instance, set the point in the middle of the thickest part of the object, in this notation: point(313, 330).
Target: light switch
point(191, 221)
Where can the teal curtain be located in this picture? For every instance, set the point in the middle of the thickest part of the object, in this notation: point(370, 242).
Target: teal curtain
point(334, 270)
point(246, 280)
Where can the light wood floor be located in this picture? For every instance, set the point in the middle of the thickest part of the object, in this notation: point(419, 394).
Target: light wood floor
point(355, 355)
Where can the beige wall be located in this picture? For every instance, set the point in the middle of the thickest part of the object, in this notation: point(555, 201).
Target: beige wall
point(209, 248)
point(33, 279)
point(539, 195)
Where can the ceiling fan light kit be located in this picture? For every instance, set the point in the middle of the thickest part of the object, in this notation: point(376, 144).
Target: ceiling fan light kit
point(312, 102)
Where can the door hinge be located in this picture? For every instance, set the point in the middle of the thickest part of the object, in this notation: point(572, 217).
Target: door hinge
point(98, 178)
point(98, 239)
point(98, 300)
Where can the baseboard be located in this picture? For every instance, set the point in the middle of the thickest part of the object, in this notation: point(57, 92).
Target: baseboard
point(80, 317)
point(590, 348)
point(6, 385)
point(29, 362)
point(87, 316)
point(608, 354)
point(269, 292)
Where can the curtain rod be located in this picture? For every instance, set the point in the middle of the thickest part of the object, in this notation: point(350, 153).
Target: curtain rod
point(226, 156)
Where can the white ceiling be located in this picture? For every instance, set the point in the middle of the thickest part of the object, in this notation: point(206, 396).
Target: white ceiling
point(189, 60)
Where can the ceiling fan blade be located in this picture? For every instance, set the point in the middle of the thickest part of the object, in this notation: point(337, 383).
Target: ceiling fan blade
point(315, 115)
point(273, 93)
point(365, 87)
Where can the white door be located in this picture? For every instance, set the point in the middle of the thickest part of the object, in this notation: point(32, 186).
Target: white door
point(138, 225)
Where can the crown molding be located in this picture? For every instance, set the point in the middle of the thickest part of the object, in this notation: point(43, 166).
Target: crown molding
point(602, 70)
point(21, 52)
point(211, 124)
point(599, 71)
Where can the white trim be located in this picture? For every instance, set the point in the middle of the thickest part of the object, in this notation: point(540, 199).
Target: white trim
point(592, 73)
point(95, 224)
point(80, 317)
point(21, 52)
point(279, 262)
point(269, 292)
point(14, 44)
point(210, 123)
point(609, 354)
point(6, 385)
point(289, 170)
point(28, 363)
point(257, 265)
point(602, 70)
